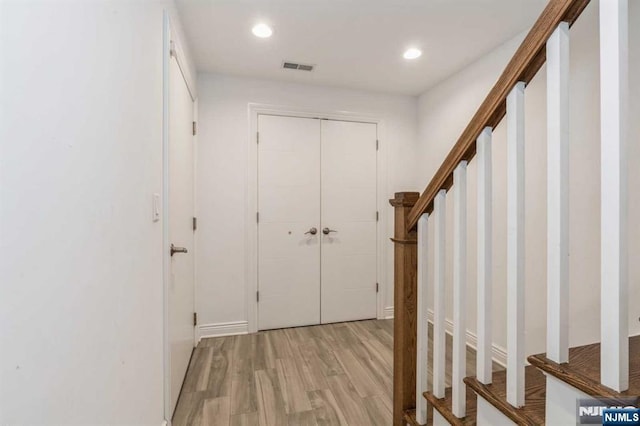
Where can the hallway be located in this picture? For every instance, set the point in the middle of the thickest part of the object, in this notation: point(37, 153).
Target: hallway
point(357, 179)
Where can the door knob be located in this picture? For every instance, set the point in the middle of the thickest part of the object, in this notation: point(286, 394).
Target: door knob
point(327, 231)
point(312, 231)
point(175, 250)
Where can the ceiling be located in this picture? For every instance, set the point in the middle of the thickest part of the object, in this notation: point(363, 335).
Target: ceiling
point(353, 43)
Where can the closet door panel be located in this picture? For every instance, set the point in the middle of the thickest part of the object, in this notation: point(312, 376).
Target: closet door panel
point(288, 206)
point(349, 202)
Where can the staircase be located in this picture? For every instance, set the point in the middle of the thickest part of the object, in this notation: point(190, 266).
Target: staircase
point(543, 388)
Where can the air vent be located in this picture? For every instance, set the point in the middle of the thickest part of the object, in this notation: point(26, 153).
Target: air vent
point(294, 66)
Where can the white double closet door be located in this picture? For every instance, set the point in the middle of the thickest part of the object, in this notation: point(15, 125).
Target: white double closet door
point(317, 226)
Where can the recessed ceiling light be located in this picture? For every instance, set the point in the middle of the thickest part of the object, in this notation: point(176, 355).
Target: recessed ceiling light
point(412, 53)
point(262, 31)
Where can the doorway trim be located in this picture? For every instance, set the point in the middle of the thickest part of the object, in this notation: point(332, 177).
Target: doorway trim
point(251, 237)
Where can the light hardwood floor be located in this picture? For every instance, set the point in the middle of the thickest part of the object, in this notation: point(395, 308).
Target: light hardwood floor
point(333, 374)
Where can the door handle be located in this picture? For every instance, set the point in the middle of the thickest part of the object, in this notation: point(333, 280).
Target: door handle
point(327, 231)
point(175, 250)
point(312, 231)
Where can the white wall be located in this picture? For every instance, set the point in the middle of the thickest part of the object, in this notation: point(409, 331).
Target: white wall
point(81, 293)
point(446, 109)
point(222, 174)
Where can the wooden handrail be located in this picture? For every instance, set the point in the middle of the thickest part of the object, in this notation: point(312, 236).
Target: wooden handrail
point(524, 65)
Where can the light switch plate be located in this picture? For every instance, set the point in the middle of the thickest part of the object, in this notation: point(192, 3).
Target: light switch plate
point(156, 207)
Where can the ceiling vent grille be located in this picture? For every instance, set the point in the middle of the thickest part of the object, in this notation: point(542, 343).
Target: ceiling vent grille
point(294, 66)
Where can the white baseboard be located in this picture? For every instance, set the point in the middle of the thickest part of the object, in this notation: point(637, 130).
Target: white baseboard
point(387, 312)
point(498, 353)
point(222, 329)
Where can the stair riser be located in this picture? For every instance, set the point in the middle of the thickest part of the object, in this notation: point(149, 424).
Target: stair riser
point(561, 402)
point(488, 415)
point(438, 420)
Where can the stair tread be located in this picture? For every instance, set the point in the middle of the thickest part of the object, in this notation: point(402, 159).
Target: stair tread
point(410, 418)
point(533, 413)
point(443, 405)
point(583, 369)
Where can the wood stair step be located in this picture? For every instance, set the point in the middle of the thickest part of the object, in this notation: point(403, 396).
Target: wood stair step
point(410, 418)
point(583, 370)
point(444, 407)
point(533, 413)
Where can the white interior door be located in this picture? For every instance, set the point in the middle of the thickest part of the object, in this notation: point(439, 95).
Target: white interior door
point(289, 208)
point(181, 285)
point(349, 203)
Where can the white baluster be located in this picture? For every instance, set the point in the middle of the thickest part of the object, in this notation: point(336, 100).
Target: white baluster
point(459, 290)
point(422, 325)
point(439, 210)
point(484, 365)
point(614, 88)
point(558, 194)
point(515, 246)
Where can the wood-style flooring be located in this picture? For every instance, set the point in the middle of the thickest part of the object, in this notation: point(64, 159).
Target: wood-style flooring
point(332, 374)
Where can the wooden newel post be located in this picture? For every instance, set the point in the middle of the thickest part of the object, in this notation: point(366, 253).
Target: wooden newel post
point(405, 307)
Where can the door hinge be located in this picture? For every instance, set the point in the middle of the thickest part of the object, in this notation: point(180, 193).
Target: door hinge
point(377, 287)
point(257, 137)
point(195, 223)
point(377, 144)
point(377, 216)
point(195, 319)
point(195, 128)
point(257, 296)
point(257, 217)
